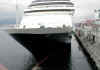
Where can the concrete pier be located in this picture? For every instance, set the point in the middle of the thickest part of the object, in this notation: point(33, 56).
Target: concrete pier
point(91, 48)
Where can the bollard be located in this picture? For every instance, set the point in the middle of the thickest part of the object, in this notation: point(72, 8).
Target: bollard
point(93, 38)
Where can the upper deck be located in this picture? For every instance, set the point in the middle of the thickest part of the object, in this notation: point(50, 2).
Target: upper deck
point(52, 2)
point(50, 5)
point(48, 13)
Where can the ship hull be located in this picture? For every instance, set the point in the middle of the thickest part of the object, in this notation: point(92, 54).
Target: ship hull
point(50, 50)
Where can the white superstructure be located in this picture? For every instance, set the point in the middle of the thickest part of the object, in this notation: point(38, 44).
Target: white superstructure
point(48, 13)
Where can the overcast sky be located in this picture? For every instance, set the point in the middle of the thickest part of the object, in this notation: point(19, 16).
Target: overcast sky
point(84, 8)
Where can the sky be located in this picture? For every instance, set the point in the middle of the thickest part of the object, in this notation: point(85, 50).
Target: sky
point(83, 9)
point(7, 11)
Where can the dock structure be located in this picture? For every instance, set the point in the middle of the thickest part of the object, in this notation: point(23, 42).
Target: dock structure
point(89, 36)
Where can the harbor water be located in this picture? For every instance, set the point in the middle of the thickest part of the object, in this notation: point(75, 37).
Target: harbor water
point(78, 59)
point(13, 55)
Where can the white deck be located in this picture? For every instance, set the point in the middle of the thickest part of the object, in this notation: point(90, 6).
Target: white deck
point(39, 30)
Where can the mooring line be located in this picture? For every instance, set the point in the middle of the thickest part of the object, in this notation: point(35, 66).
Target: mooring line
point(42, 61)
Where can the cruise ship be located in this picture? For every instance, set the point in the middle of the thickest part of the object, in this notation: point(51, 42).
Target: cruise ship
point(45, 30)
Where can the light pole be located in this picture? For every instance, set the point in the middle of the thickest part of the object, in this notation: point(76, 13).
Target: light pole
point(17, 25)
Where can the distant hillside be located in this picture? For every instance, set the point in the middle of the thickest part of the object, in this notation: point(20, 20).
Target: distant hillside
point(5, 26)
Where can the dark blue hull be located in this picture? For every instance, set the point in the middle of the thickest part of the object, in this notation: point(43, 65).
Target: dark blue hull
point(50, 50)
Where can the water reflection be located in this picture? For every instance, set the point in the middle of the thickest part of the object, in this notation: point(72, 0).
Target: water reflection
point(78, 59)
point(13, 55)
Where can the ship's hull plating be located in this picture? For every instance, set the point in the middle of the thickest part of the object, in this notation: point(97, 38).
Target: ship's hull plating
point(50, 50)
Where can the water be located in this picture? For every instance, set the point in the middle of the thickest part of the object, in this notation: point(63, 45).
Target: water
point(13, 55)
point(78, 59)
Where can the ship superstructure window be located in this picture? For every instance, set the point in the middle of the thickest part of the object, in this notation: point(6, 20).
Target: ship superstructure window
point(45, 7)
